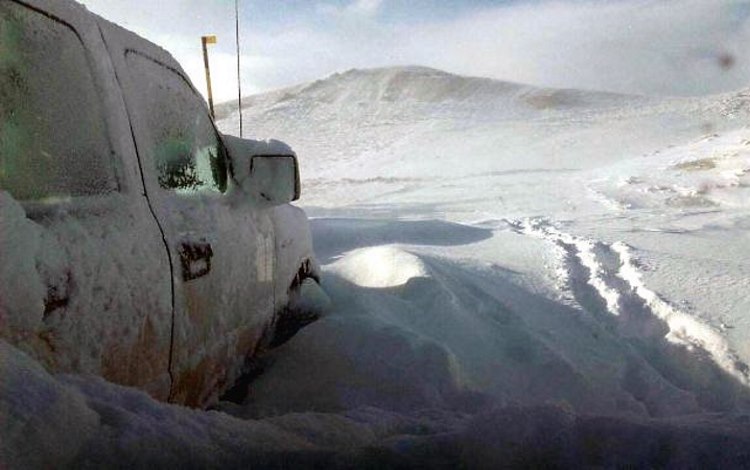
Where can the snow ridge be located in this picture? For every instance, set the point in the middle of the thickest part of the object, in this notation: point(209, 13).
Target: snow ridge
point(612, 271)
point(683, 328)
point(414, 84)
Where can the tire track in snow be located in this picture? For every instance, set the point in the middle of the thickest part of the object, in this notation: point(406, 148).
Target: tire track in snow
point(611, 271)
point(684, 328)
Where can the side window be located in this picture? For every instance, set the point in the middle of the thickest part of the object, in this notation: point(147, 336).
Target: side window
point(53, 136)
point(188, 154)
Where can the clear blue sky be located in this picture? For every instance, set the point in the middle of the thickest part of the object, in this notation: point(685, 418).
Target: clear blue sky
point(665, 47)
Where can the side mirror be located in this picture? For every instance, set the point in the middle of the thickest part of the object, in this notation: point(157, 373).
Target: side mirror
point(266, 170)
point(275, 178)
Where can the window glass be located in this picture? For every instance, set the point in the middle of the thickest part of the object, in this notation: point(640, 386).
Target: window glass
point(188, 154)
point(53, 140)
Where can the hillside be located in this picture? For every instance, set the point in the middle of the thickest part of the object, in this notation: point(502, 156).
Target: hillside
point(383, 121)
point(419, 90)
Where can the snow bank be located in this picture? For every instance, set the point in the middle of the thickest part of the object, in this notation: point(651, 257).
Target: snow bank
point(44, 423)
point(455, 335)
point(85, 422)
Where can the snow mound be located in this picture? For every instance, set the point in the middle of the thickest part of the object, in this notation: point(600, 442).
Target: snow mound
point(454, 335)
point(381, 266)
point(84, 422)
point(43, 423)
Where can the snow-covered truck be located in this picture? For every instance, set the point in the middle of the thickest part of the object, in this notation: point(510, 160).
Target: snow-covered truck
point(136, 242)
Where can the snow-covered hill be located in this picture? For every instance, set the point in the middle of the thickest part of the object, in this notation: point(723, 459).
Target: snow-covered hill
point(417, 92)
point(411, 123)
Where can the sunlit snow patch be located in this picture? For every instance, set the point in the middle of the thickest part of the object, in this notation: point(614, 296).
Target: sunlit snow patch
point(709, 173)
point(381, 266)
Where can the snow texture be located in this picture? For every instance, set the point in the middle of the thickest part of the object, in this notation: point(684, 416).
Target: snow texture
point(85, 422)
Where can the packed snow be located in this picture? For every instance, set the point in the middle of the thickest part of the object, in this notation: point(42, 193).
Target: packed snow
point(517, 277)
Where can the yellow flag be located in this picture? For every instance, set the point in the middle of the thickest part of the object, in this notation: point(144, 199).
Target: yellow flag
point(210, 39)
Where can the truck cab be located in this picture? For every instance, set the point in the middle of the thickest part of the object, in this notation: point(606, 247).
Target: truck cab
point(163, 252)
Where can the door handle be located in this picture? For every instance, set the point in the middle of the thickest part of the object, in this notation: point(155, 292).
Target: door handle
point(58, 295)
point(195, 258)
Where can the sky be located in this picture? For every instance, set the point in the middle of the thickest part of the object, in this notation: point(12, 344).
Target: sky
point(655, 47)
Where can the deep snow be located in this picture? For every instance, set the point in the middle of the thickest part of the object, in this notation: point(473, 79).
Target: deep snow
point(528, 245)
point(607, 182)
point(518, 276)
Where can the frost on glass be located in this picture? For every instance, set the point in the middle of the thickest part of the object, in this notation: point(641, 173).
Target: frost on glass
point(53, 140)
point(188, 155)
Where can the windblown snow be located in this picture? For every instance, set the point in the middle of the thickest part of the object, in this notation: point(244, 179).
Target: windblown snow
point(518, 277)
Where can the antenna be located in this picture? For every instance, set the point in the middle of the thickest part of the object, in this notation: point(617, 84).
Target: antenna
point(239, 76)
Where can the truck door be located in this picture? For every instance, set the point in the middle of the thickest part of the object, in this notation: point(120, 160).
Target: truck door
point(222, 249)
point(104, 303)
